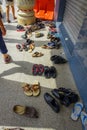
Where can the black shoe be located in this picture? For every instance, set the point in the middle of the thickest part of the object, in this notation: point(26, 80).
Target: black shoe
point(58, 59)
point(53, 72)
point(47, 72)
point(62, 97)
point(73, 97)
point(52, 102)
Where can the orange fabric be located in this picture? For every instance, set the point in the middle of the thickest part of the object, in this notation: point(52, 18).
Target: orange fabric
point(44, 9)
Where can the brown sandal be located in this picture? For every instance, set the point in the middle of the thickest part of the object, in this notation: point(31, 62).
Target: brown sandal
point(27, 89)
point(37, 54)
point(36, 88)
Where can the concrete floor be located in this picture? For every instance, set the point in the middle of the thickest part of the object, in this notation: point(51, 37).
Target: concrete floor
point(20, 70)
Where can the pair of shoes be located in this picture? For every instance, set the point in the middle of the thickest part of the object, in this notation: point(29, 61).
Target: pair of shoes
point(26, 111)
point(58, 59)
point(32, 90)
point(51, 101)
point(37, 54)
point(37, 34)
point(50, 72)
point(66, 96)
point(38, 69)
point(7, 59)
point(78, 112)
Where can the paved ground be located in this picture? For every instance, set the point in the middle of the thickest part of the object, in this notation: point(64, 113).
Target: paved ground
point(20, 70)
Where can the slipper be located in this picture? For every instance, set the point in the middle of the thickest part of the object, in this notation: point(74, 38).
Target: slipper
point(35, 69)
point(76, 111)
point(19, 47)
point(31, 48)
point(53, 72)
point(46, 47)
point(51, 44)
point(36, 88)
point(20, 28)
point(27, 89)
point(51, 101)
point(41, 69)
point(47, 72)
point(37, 54)
point(58, 59)
point(84, 119)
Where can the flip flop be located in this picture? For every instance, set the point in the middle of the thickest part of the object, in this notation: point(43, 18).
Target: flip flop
point(36, 88)
point(76, 111)
point(41, 69)
point(35, 69)
point(37, 54)
point(84, 120)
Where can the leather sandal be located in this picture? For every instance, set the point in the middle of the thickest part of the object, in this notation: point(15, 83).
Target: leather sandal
point(27, 89)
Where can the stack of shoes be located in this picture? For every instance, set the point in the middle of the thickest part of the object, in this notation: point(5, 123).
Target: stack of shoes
point(28, 45)
point(35, 27)
point(66, 96)
point(56, 41)
point(58, 59)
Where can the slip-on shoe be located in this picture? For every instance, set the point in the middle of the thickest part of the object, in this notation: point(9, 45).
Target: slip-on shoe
point(52, 102)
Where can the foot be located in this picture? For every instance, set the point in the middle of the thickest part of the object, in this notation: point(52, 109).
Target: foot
point(8, 21)
point(7, 59)
point(15, 17)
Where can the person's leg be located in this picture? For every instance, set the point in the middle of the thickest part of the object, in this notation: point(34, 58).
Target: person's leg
point(4, 50)
point(13, 11)
point(7, 14)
